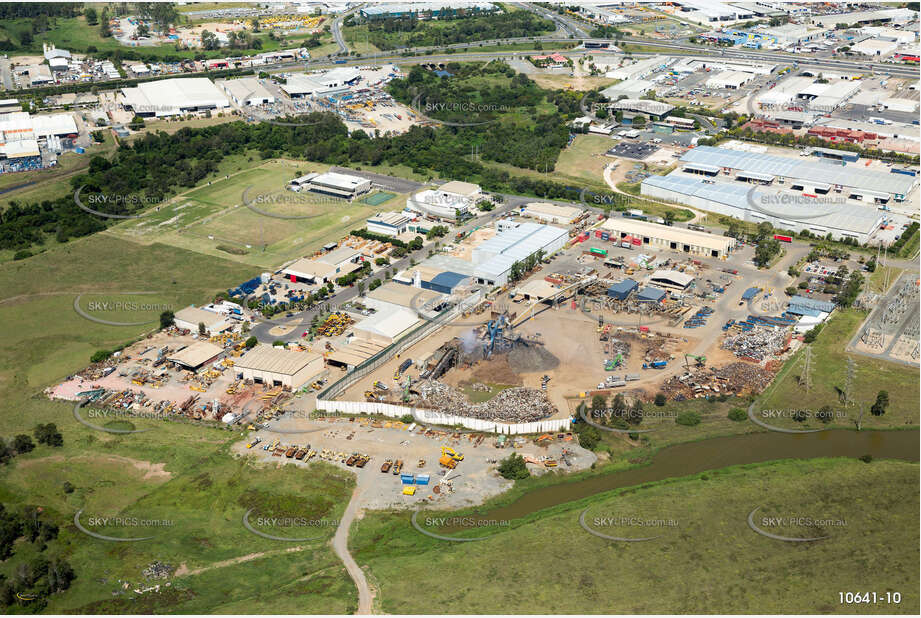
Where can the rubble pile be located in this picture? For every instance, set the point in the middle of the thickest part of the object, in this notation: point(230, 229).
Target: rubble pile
point(733, 379)
point(157, 570)
point(514, 405)
point(757, 343)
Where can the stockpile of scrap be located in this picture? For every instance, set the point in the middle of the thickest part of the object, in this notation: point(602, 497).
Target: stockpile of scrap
point(757, 343)
point(514, 405)
point(733, 379)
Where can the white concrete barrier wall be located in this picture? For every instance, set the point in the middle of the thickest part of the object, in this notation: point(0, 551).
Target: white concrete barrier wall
point(434, 417)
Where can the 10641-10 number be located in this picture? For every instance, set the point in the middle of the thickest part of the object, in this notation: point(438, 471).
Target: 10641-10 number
point(869, 598)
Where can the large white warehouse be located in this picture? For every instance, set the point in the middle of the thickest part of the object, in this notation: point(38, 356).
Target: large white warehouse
point(172, 97)
point(495, 257)
point(746, 203)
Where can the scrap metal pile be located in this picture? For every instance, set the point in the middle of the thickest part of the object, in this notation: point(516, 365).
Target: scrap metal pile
point(733, 379)
point(515, 405)
point(757, 343)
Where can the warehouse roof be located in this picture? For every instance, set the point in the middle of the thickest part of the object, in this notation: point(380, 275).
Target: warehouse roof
point(196, 354)
point(308, 269)
point(390, 324)
point(246, 88)
point(538, 289)
point(345, 182)
point(194, 315)
point(621, 287)
point(650, 295)
point(467, 189)
point(567, 213)
point(647, 106)
point(338, 256)
point(404, 295)
point(846, 176)
point(847, 217)
point(448, 279)
point(275, 360)
point(170, 96)
point(677, 234)
point(672, 277)
point(813, 303)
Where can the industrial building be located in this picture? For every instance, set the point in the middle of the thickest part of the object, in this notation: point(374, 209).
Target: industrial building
point(657, 110)
point(247, 91)
point(639, 69)
point(310, 271)
point(190, 317)
point(852, 181)
point(656, 236)
point(194, 356)
point(672, 279)
point(875, 47)
point(18, 126)
point(276, 366)
point(313, 84)
point(172, 97)
point(731, 80)
point(345, 186)
point(631, 89)
point(741, 202)
point(551, 213)
point(864, 17)
point(494, 258)
point(651, 295)
point(622, 289)
point(388, 223)
point(393, 294)
point(386, 325)
point(448, 201)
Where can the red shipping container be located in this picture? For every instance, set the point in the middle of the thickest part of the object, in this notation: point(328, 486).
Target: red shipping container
point(293, 278)
point(637, 241)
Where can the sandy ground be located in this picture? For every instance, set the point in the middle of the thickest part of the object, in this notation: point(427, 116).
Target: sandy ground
point(474, 480)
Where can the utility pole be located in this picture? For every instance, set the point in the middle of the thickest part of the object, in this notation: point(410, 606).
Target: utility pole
point(805, 377)
point(849, 384)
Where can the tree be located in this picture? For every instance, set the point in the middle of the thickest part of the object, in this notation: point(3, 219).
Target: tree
point(22, 444)
point(669, 217)
point(48, 434)
point(882, 402)
point(660, 399)
point(737, 414)
point(812, 333)
point(825, 414)
point(589, 436)
point(202, 329)
point(618, 406)
point(871, 264)
point(514, 468)
point(166, 319)
point(639, 121)
point(599, 403)
point(635, 414)
point(91, 17)
point(100, 355)
point(688, 419)
point(251, 343)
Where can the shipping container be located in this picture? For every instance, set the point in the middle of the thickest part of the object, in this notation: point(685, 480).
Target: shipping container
point(783, 238)
point(597, 251)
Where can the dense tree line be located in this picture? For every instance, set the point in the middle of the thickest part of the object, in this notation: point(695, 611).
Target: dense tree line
point(389, 34)
point(30, 10)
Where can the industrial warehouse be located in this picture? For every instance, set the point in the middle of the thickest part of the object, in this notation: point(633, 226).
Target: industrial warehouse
point(276, 366)
point(642, 234)
point(854, 182)
point(172, 97)
point(344, 186)
point(746, 203)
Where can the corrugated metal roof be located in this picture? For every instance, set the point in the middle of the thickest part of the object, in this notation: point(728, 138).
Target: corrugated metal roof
point(802, 310)
point(626, 285)
point(650, 294)
point(750, 293)
point(832, 173)
point(813, 303)
point(275, 360)
point(448, 279)
point(847, 217)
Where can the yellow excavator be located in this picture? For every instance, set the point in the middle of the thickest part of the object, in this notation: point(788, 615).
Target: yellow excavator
point(450, 452)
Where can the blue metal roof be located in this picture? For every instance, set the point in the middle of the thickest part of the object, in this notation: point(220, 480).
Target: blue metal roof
point(801, 310)
point(627, 285)
point(651, 294)
point(448, 279)
point(749, 294)
point(813, 303)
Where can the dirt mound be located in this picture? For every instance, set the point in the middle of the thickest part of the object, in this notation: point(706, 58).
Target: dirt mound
point(530, 358)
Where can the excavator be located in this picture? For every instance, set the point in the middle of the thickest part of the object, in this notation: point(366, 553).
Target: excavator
point(699, 361)
point(447, 451)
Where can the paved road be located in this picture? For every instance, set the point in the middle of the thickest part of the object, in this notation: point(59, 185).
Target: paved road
point(340, 544)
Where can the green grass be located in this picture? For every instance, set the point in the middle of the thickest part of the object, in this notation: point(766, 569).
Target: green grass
point(711, 562)
point(829, 374)
point(910, 248)
point(205, 490)
point(878, 278)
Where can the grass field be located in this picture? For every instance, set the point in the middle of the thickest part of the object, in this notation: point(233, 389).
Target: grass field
point(584, 158)
point(709, 562)
point(829, 375)
point(878, 278)
point(214, 215)
point(178, 472)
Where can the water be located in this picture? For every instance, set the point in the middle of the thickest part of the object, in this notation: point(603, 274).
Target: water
point(695, 457)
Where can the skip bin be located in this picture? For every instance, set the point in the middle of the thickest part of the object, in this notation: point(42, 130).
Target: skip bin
point(422, 479)
point(407, 479)
point(409, 490)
